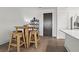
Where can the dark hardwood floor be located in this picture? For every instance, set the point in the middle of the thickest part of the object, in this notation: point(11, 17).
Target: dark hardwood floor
point(47, 44)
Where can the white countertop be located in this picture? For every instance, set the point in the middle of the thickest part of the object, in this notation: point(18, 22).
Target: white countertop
point(74, 33)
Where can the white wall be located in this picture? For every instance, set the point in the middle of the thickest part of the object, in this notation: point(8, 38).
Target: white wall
point(62, 18)
point(29, 12)
point(9, 17)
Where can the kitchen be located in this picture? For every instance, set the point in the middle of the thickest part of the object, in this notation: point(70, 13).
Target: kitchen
point(19, 16)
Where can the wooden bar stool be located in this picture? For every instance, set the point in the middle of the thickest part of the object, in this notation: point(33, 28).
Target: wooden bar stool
point(17, 40)
point(34, 38)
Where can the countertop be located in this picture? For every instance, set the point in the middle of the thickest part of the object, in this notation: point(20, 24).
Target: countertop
point(74, 33)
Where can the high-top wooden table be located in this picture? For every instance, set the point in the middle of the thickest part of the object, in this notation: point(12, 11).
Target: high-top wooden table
point(26, 30)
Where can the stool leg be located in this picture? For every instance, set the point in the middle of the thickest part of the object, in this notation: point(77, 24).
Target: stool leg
point(24, 40)
point(18, 44)
point(35, 40)
point(9, 45)
point(10, 42)
point(29, 39)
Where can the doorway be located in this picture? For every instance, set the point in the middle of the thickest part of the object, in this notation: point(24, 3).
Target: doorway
point(47, 24)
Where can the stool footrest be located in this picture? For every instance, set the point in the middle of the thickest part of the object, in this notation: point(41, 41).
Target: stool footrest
point(22, 44)
point(13, 44)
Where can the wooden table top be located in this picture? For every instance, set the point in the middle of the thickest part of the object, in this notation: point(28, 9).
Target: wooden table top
point(22, 27)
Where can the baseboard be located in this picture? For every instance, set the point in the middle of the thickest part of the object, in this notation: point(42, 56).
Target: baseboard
point(60, 38)
point(3, 42)
point(54, 37)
